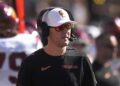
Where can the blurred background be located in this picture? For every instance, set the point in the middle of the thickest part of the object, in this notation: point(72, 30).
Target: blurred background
point(88, 10)
point(98, 29)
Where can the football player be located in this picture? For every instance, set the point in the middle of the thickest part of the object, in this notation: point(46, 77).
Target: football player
point(14, 46)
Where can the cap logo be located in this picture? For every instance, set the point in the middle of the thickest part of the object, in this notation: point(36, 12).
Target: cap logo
point(61, 13)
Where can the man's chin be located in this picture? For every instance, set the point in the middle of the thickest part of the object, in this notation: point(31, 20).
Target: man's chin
point(66, 43)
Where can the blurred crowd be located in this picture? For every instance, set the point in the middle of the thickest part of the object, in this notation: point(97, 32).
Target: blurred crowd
point(99, 39)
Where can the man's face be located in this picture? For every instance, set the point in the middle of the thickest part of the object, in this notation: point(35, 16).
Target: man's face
point(59, 36)
point(106, 47)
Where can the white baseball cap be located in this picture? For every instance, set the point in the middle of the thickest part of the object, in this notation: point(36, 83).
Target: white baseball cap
point(57, 17)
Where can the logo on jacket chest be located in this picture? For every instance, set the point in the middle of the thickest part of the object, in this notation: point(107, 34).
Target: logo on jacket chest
point(64, 66)
point(69, 66)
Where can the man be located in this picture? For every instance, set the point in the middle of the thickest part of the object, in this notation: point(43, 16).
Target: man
point(106, 63)
point(14, 47)
point(112, 26)
point(50, 66)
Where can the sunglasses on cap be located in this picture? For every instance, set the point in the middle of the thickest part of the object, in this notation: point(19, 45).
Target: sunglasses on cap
point(67, 26)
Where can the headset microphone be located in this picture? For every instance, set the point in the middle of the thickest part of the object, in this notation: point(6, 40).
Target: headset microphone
point(72, 38)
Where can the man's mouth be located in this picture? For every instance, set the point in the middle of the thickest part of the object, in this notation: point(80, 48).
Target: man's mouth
point(65, 38)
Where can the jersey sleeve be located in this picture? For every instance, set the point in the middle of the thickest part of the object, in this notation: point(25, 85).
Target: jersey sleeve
point(37, 39)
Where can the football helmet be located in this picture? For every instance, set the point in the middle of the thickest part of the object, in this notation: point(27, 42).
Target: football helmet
point(8, 20)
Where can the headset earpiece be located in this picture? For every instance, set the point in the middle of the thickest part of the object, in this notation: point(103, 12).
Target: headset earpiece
point(40, 22)
point(42, 25)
